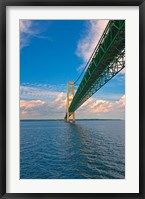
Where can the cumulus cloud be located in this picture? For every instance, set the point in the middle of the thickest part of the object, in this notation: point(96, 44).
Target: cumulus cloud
point(41, 100)
point(62, 104)
point(102, 106)
point(44, 101)
point(97, 106)
point(28, 108)
point(60, 101)
point(87, 44)
point(42, 109)
point(121, 102)
point(56, 109)
point(59, 97)
point(31, 104)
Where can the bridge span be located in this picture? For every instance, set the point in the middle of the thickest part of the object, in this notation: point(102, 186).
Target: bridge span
point(106, 61)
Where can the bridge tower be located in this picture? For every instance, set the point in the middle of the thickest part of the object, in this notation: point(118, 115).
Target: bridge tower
point(70, 96)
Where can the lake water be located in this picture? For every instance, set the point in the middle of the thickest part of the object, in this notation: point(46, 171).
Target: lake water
point(88, 149)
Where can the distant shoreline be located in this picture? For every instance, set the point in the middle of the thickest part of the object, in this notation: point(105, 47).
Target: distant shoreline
point(76, 119)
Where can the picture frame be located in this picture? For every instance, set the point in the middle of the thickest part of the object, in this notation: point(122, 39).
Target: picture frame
point(3, 98)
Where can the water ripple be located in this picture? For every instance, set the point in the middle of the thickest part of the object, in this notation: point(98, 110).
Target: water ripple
point(85, 150)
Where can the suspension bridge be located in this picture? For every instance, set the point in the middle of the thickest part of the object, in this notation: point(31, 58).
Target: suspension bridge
point(106, 61)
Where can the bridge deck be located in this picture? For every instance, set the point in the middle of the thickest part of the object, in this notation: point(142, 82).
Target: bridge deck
point(106, 61)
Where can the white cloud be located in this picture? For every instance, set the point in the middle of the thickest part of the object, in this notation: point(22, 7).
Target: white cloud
point(31, 104)
point(87, 44)
point(59, 97)
point(95, 107)
point(25, 26)
point(92, 108)
point(25, 32)
point(121, 102)
point(43, 109)
point(30, 29)
point(47, 101)
point(40, 91)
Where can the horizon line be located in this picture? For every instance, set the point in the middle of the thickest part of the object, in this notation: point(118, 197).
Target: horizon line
point(76, 119)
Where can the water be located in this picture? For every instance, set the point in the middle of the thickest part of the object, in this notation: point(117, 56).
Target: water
point(91, 149)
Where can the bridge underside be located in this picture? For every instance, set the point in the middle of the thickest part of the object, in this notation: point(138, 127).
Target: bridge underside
point(107, 60)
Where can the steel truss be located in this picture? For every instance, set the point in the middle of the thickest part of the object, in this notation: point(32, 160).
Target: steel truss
point(106, 61)
point(107, 75)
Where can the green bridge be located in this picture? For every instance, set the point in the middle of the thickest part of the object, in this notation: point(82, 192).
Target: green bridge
point(107, 60)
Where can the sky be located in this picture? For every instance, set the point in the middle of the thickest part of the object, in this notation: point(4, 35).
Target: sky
point(53, 52)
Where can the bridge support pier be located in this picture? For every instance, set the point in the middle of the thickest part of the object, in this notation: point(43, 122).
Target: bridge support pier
point(70, 96)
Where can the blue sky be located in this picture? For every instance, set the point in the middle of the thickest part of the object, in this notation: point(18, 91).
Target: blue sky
point(53, 52)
